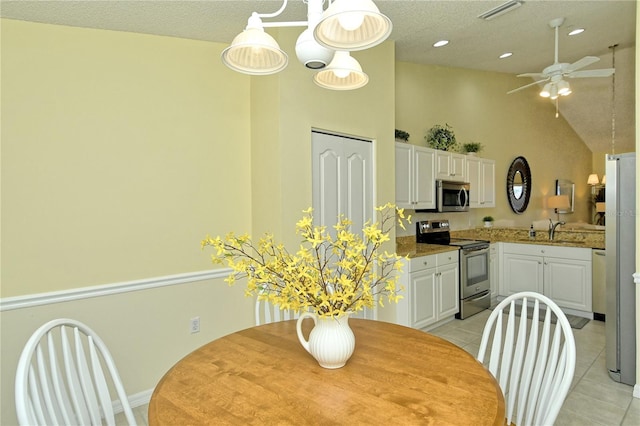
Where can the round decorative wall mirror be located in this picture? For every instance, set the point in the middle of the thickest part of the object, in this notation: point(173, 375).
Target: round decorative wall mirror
point(519, 185)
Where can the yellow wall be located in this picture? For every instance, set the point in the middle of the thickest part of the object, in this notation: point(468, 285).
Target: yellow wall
point(477, 107)
point(120, 152)
point(118, 155)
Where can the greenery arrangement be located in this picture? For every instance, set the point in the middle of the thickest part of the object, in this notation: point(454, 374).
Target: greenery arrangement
point(441, 137)
point(330, 275)
point(402, 135)
point(487, 219)
point(472, 147)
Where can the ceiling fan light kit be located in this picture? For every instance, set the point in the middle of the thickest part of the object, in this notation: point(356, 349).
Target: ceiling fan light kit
point(346, 25)
point(554, 75)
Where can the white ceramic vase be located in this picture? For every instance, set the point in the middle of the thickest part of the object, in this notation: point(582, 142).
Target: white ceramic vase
point(331, 341)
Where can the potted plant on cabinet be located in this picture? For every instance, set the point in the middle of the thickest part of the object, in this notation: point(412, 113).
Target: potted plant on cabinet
point(472, 148)
point(401, 135)
point(441, 137)
point(488, 221)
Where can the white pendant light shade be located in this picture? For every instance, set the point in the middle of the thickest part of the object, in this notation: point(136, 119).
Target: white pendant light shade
point(254, 52)
point(311, 53)
point(352, 25)
point(546, 91)
point(343, 73)
point(563, 88)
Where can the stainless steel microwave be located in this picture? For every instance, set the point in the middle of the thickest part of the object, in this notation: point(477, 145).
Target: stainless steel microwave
point(450, 197)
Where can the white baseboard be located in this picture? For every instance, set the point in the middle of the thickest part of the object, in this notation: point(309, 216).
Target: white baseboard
point(140, 398)
point(636, 391)
point(135, 400)
point(38, 299)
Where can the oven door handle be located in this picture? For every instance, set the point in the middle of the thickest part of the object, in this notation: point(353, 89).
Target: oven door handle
point(484, 295)
point(474, 250)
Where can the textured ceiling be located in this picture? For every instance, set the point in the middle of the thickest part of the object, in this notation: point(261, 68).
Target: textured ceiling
point(475, 43)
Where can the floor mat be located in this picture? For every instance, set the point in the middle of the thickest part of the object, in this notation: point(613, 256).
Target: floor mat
point(574, 320)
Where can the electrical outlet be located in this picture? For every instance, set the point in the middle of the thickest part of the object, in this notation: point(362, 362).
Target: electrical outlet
point(194, 325)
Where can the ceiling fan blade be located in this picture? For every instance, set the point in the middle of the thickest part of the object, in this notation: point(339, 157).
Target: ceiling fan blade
point(581, 63)
point(604, 72)
point(525, 86)
point(532, 75)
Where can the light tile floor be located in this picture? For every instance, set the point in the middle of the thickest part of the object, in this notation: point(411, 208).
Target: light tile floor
point(594, 399)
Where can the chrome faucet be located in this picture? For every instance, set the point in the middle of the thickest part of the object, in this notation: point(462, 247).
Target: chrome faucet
point(552, 228)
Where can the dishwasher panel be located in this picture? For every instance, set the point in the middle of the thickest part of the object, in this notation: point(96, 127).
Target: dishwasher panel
point(599, 277)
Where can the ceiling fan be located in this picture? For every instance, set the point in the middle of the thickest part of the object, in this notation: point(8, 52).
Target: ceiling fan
point(556, 73)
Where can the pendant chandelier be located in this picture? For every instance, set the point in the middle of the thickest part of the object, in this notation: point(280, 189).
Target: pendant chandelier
point(345, 26)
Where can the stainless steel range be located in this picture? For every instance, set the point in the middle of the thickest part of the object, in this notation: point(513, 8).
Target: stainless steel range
point(475, 289)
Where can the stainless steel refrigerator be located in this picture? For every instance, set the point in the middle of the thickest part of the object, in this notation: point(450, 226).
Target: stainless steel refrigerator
point(620, 243)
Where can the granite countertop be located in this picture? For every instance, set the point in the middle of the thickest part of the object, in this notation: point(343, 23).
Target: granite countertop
point(583, 238)
point(407, 246)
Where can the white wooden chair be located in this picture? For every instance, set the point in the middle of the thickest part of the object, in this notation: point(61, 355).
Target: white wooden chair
point(535, 364)
point(266, 312)
point(61, 378)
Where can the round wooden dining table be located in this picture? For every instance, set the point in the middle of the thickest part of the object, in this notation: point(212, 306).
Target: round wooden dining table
point(262, 375)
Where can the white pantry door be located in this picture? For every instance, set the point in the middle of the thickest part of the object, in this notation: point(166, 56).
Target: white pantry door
point(342, 181)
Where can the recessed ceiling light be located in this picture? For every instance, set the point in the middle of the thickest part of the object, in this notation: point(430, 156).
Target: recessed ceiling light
point(440, 43)
point(505, 55)
point(576, 31)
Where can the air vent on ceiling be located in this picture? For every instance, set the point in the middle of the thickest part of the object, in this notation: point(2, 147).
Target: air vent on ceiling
point(499, 10)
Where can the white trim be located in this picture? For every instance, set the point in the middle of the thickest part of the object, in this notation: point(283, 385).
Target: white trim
point(636, 387)
point(636, 391)
point(136, 400)
point(38, 299)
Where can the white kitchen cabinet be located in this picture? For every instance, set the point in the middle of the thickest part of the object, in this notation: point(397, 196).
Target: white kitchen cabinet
point(561, 273)
point(448, 288)
point(481, 175)
point(523, 272)
point(451, 166)
point(434, 288)
point(415, 179)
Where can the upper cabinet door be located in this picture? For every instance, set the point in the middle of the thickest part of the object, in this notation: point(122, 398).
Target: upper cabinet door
point(443, 165)
point(425, 184)
point(415, 182)
point(404, 176)
point(488, 174)
point(451, 166)
point(481, 174)
point(458, 167)
point(475, 186)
